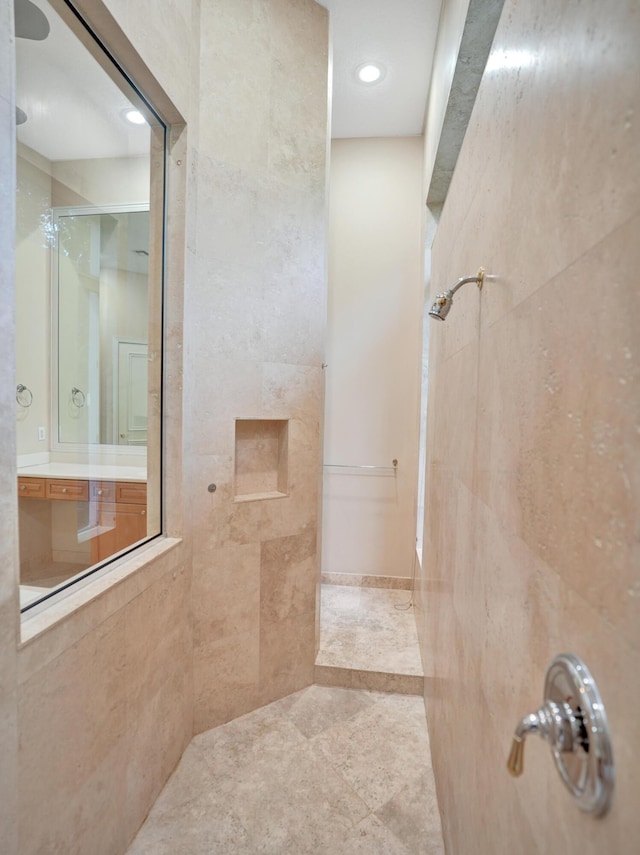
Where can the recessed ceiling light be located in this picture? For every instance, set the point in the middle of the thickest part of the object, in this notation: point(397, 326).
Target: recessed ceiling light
point(370, 72)
point(134, 116)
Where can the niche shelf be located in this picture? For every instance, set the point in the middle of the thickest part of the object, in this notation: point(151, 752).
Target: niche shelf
point(261, 459)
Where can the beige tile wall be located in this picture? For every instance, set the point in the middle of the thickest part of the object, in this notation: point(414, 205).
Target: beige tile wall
point(8, 502)
point(254, 320)
point(105, 696)
point(533, 470)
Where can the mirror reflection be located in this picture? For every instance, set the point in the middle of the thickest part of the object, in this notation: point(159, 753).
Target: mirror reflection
point(101, 273)
point(89, 214)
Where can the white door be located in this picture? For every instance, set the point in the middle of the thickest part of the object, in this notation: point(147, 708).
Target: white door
point(132, 393)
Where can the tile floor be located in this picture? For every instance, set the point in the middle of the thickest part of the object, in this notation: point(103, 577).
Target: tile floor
point(366, 642)
point(325, 771)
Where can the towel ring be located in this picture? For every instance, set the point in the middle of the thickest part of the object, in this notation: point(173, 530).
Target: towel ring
point(78, 397)
point(24, 396)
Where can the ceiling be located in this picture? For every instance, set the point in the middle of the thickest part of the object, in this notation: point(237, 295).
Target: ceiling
point(398, 34)
point(74, 109)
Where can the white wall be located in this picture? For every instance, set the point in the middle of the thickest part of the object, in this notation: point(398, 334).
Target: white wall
point(373, 355)
point(33, 203)
point(103, 181)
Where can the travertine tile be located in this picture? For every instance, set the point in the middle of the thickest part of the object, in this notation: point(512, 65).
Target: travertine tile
point(412, 815)
point(353, 748)
point(259, 784)
point(287, 577)
point(373, 681)
point(363, 581)
point(226, 674)
point(188, 816)
point(532, 471)
point(317, 708)
point(362, 630)
point(225, 592)
point(287, 649)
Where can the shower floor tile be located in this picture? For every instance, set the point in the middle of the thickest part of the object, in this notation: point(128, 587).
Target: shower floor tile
point(362, 630)
point(323, 771)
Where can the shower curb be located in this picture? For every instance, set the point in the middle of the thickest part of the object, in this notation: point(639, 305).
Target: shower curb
point(374, 681)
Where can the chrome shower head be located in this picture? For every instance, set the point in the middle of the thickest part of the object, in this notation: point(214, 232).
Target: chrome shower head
point(442, 306)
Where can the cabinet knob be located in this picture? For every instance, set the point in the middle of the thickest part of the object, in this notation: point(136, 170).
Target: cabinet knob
point(64, 489)
point(99, 492)
point(22, 486)
point(143, 513)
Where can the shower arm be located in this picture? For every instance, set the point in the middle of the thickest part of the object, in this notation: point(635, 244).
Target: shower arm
point(478, 278)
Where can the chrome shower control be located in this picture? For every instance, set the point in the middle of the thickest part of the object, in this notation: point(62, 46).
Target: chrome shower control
point(572, 720)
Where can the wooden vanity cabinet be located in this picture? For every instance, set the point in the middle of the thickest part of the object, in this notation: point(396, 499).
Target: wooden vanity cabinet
point(121, 517)
point(31, 488)
point(118, 509)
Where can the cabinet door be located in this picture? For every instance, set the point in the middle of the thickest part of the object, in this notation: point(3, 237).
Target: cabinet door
point(120, 526)
point(131, 524)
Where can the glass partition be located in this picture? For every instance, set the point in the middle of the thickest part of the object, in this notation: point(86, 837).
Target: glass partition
point(90, 213)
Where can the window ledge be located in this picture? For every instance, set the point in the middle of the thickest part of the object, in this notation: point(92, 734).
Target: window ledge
point(91, 602)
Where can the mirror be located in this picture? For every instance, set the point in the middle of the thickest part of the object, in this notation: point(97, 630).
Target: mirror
point(89, 248)
point(100, 328)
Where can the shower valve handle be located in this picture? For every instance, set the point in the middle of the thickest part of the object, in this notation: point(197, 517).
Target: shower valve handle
point(515, 763)
point(573, 722)
point(554, 722)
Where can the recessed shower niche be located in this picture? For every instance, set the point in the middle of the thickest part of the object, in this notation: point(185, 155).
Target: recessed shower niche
point(261, 459)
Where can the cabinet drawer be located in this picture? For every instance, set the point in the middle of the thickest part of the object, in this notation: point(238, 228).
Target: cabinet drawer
point(108, 512)
point(67, 490)
point(31, 488)
point(133, 493)
point(102, 491)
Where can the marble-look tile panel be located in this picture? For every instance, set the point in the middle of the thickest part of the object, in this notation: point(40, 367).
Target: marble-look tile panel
point(225, 592)
point(118, 714)
point(536, 554)
point(237, 34)
point(521, 158)
point(226, 675)
point(287, 577)
point(287, 650)
point(255, 316)
point(541, 425)
point(261, 784)
point(219, 522)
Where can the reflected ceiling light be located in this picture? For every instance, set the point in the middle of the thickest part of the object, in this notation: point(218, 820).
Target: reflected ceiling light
point(370, 72)
point(134, 116)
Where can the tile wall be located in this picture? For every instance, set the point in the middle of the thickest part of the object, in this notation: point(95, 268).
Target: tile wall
point(105, 698)
point(9, 622)
point(533, 470)
point(254, 321)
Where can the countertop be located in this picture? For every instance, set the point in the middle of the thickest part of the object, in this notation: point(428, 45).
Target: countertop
point(85, 472)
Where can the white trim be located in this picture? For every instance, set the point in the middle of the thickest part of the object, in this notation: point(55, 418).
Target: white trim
point(115, 369)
